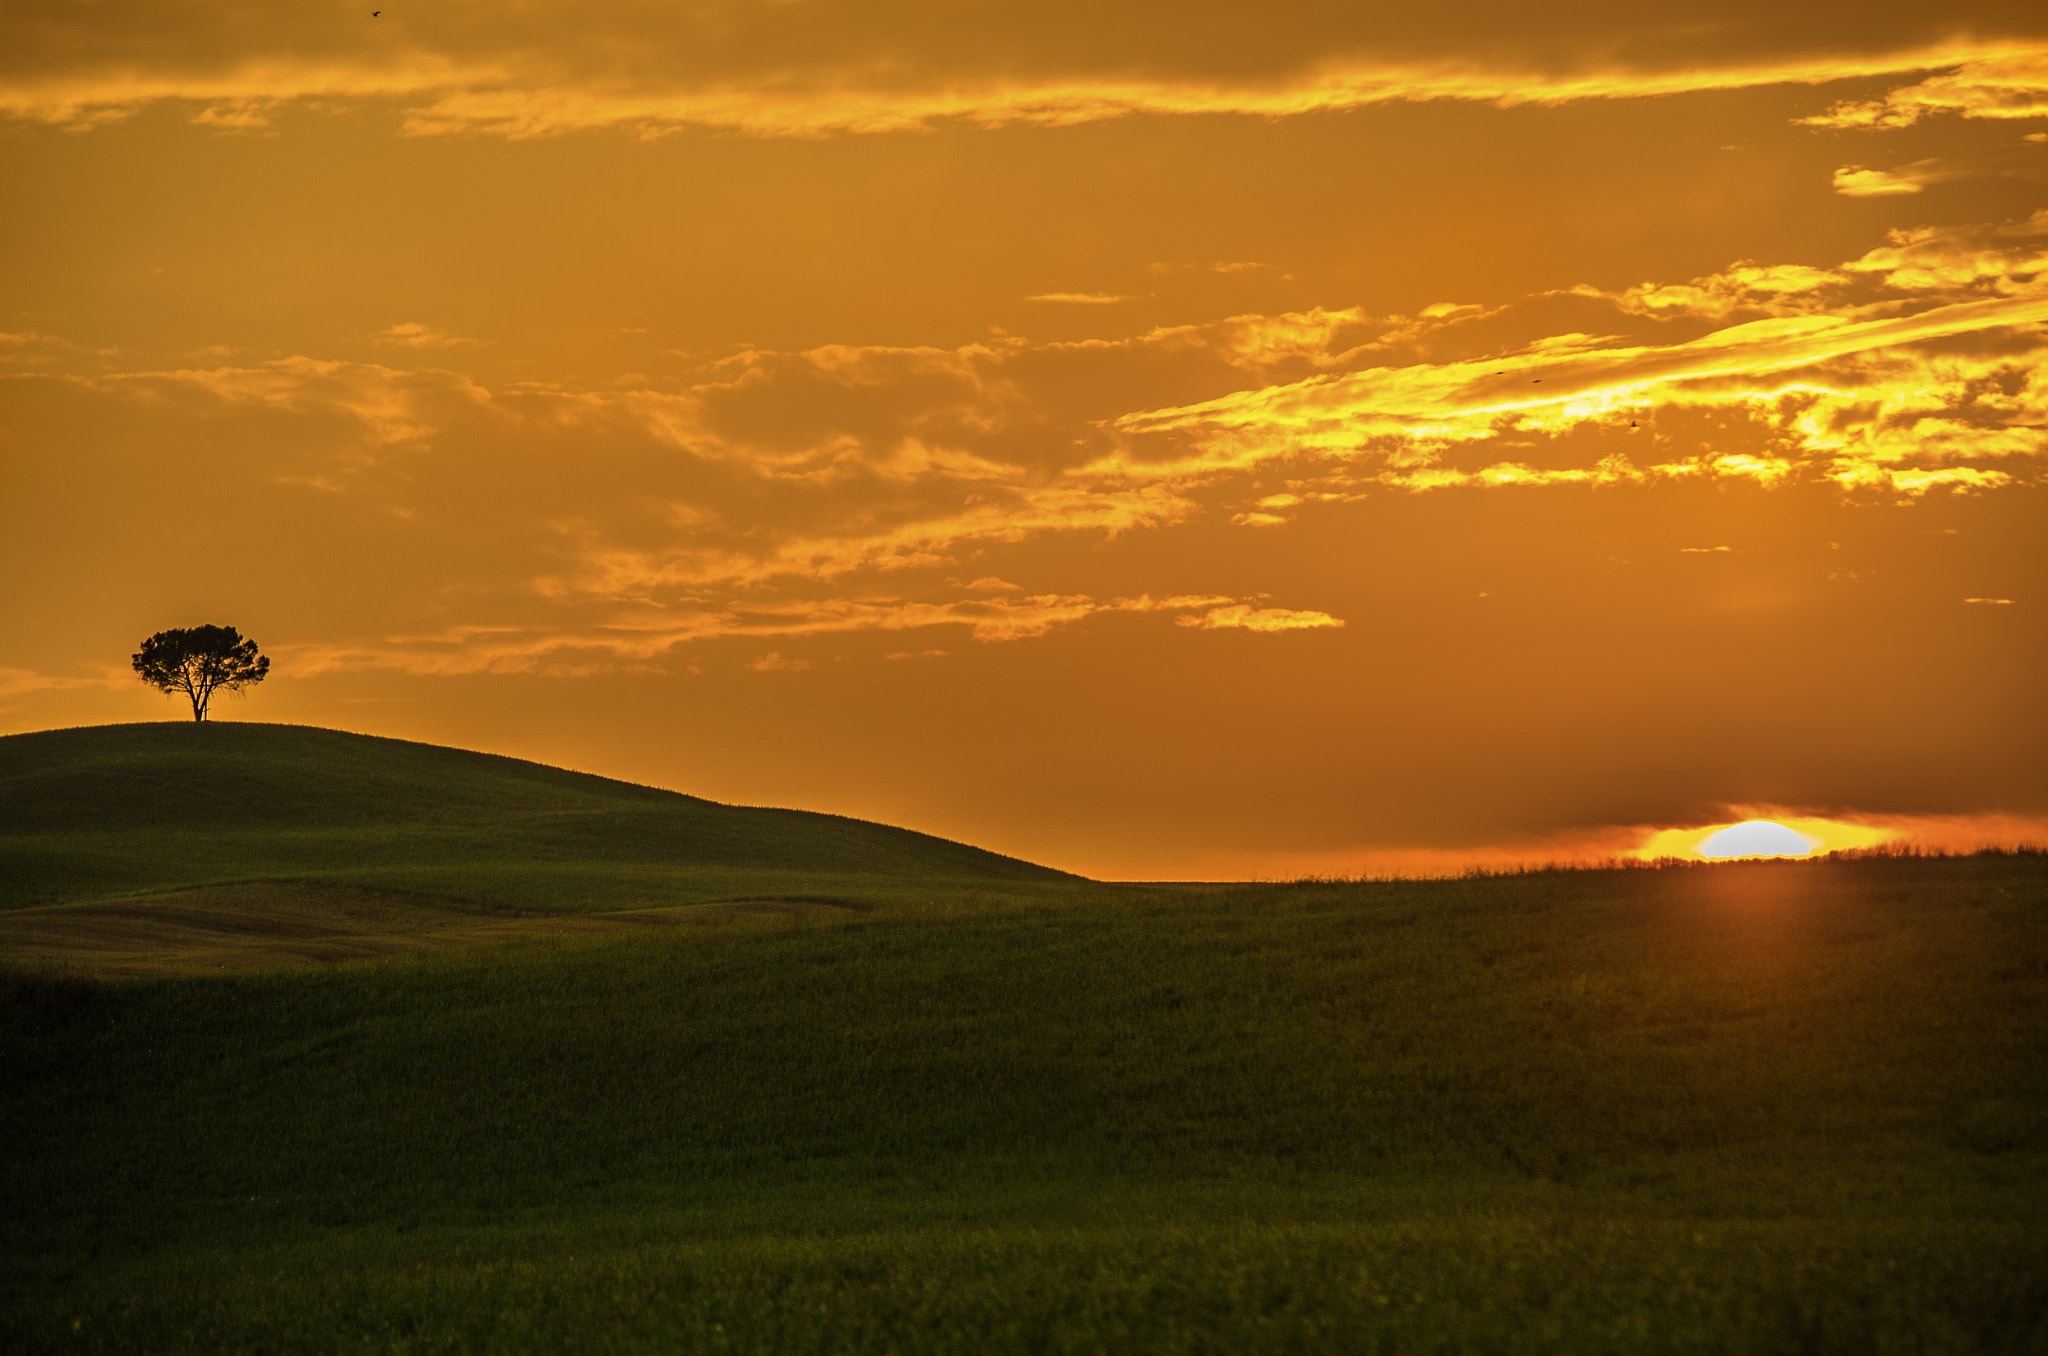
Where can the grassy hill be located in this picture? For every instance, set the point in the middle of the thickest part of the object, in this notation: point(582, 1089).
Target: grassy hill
point(1765, 1107)
point(124, 809)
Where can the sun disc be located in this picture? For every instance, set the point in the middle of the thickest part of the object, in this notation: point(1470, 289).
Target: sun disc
point(1754, 838)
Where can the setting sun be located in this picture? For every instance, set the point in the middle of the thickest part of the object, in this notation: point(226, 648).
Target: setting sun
point(1755, 838)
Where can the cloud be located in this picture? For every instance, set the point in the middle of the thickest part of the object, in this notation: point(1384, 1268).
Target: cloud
point(465, 67)
point(1766, 289)
point(848, 489)
point(1853, 181)
point(2008, 84)
point(1244, 616)
point(20, 682)
point(1073, 99)
point(1990, 602)
point(645, 632)
point(2006, 259)
point(1219, 266)
point(1855, 373)
point(1080, 298)
point(237, 115)
point(32, 349)
point(1424, 408)
point(412, 334)
point(2022, 161)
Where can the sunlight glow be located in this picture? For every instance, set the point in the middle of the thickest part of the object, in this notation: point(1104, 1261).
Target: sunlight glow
point(1716, 842)
point(1755, 838)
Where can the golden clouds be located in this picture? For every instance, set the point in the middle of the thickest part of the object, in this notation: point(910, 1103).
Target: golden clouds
point(829, 68)
point(1247, 617)
point(1856, 182)
point(1858, 389)
point(2008, 84)
point(612, 527)
point(776, 495)
point(1065, 102)
point(1769, 289)
point(2003, 259)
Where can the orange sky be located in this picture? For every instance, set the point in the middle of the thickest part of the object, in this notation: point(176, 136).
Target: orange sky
point(1156, 440)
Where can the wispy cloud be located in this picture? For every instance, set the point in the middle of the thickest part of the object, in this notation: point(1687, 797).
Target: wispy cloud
point(33, 349)
point(412, 334)
point(646, 632)
point(237, 115)
point(1244, 616)
point(538, 70)
point(1070, 100)
point(20, 682)
point(1080, 298)
point(2025, 160)
point(1854, 181)
point(1218, 266)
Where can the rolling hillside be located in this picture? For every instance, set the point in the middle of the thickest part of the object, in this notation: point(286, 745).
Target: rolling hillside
point(612, 1069)
point(1760, 1107)
point(108, 810)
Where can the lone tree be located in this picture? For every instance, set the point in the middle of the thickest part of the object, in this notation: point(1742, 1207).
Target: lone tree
point(199, 661)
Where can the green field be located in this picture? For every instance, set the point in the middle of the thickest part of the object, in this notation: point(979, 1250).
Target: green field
point(820, 1086)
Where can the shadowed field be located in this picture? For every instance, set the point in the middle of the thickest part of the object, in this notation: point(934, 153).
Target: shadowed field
point(1767, 1106)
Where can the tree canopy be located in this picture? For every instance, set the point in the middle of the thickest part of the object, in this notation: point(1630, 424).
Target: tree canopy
point(199, 661)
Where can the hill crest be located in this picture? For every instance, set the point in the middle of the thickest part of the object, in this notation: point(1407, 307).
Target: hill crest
point(261, 774)
point(236, 800)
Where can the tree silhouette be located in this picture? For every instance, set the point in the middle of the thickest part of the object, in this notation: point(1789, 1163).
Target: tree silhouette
point(199, 661)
